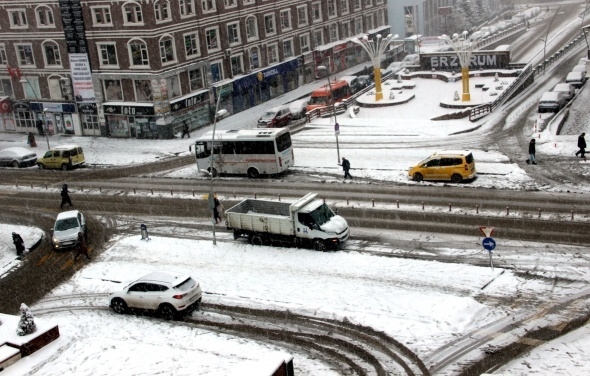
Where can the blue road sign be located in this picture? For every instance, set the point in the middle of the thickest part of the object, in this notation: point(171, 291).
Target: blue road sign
point(489, 244)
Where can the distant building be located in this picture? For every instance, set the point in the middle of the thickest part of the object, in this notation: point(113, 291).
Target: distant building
point(142, 68)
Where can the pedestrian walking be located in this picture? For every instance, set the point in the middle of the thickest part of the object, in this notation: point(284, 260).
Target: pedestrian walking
point(65, 196)
point(31, 140)
point(185, 130)
point(81, 247)
point(39, 126)
point(532, 158)
point(19, 243)
point(346, 168)
point(582, 146)
point(217, 210)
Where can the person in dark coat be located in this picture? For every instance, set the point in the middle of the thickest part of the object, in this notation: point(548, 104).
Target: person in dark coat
point(65, 196)
point(346, 168)
point(532, 151)
point(39, 126)
point(216, 210)
point(81, 247)
point(185, 130)
point(581, 145)
point(31, 140)
point(19, 243)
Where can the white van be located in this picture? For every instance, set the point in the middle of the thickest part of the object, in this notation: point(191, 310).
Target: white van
point(579, 68)
point(551, 101)
point(412, 59)
point(566, 89)
point(576, 79)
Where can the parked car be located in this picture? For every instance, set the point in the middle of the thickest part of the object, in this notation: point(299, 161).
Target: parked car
point(17, 157)
point(298, 108)
point(453, 165)
point(579, 68)
point(275, 117)
point(551, 101)
point(576, 79)
point(353, 82)
point(66, 228)
point(167, 293)
point(364, 81)
point(568, 90)
point(64, 157)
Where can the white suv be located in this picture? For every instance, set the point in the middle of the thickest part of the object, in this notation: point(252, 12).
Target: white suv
point(65, 231)
point(168, 293)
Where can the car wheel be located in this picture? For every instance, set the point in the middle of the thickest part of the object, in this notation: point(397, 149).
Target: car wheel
point(214, 172)
point(64, 167)
point(15, 164)
point(418, 177)
point(253, 173)
point(236, 234)
point(167, 312)
point(319, 246)
point(256, 240)
point(118, 305)
point(41, 166)
point(456, 178)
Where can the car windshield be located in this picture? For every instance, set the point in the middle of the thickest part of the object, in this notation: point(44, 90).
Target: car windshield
point(186, 285)
point(322, 214)
point(66, 224)
point(268, 115)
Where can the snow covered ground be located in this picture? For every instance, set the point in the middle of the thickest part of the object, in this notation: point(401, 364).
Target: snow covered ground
point(422, 304)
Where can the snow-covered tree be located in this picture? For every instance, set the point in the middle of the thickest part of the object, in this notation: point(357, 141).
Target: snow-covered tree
point(26, 325)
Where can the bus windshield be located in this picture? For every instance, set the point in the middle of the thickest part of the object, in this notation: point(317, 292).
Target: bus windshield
point(203, 149)
point(284, 142)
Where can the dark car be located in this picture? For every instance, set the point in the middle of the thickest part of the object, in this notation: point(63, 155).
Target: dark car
point(17, 157)
point(275, 117)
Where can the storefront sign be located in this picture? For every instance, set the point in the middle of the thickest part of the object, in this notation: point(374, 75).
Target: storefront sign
point(339, 47)
point(194, 100)
point(129, 110)
point(81, 78)
point(264, 75)
point(87, 108)
point(479, 60)
point(66, 108)
point(73, 24)
point(21, 106)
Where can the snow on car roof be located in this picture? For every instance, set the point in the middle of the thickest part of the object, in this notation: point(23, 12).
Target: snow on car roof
point(68, 146)
point(67, 214)
point(171, 278)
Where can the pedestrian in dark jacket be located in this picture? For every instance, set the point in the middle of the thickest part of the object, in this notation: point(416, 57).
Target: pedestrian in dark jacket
point(581, 145)
point(185, 130)
point(65, 196)
point(31, 140)
point(19, 243)
point(216, 210)
point(346, 168)
point(531, 152)
point(39, 125)
point(81, 247)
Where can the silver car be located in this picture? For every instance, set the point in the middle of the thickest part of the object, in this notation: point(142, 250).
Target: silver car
point(17, 157)
point(65, 231)
point(167, 293)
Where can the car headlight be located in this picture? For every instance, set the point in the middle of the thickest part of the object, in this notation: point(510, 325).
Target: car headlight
point(55, 240)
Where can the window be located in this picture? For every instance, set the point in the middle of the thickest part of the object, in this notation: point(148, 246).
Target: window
point(251, 28)
point(333, 32)
point(368, 3)
point(55, 88)
point(51, 53)
point(143, 90)
point(344, 6)
point(195, 78)
point(304, 43)
point(101, 16)
point(230, 3)
point(331, 8)
point(107, 54)
point(381, 17)
point(216, 71)
point(248, 2)
point(31, 88)
point(24, 53)
point(187, 7)
point(24, 119)
point(173, 87)
point(357, 4)
point(112, 90)
point(3, 58)
point(302, 15)
point(236, 65)
point(208, 5)
point(316, 12)
point(269, 24)
point(286, 19)
point(6, 87)
point(369, 22)
point(288, 48)
point(318, 38)
point(272, 53)
point(167, 49)
point(138, 53)
point(254, 58)
point(132, 14)
point(191, 44)
point(90, 122)
point(45, 17)
point(162, 10)
point(212, 39)
point(233, 33)
point(358, 25)
point(18, 19)
point(345, 30)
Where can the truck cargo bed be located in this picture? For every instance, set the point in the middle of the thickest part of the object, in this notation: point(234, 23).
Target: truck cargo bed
point(261, 217)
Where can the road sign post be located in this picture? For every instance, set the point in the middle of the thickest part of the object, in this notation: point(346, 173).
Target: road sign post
point(489, 244)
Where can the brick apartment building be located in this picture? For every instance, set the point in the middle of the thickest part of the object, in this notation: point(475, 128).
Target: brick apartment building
point(142, 68)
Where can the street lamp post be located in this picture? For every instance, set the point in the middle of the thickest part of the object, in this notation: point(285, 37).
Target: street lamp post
point(211, 198)
point(43, 116)
point(375, 48)
point(336, 126)
point(463, 45)
point(547, 37)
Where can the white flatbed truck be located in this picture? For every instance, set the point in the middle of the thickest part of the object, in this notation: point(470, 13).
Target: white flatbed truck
point(307, 222)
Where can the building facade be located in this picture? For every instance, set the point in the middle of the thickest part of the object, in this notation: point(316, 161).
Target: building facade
point(143, 68)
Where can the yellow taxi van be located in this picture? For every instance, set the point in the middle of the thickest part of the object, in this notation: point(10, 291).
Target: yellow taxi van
point(453, 165)
point(64, 157)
